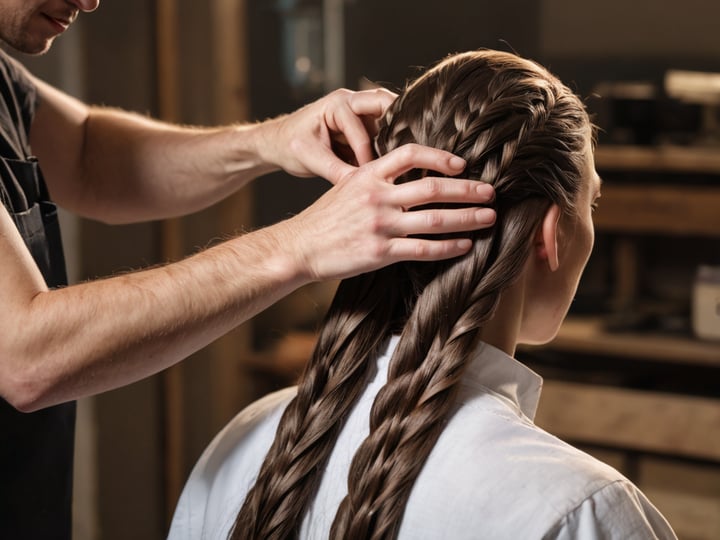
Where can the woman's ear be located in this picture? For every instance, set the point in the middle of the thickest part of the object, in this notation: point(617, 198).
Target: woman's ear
point(547, 238)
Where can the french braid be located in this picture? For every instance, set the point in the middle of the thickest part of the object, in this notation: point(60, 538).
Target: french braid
point(520, 130)
point(500, 136)
point(357, 322)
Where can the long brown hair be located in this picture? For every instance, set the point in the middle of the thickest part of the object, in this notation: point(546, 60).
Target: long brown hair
point(524, 132)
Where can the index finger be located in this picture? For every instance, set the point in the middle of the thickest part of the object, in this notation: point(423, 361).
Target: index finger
point(366, 107)
point(352, 119)
point(354, 132)
point(371, 102)
point(415, 156)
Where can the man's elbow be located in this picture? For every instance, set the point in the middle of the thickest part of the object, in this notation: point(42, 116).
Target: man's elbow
point(24, 392)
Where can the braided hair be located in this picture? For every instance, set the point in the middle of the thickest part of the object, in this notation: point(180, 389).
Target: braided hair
point(520, 130)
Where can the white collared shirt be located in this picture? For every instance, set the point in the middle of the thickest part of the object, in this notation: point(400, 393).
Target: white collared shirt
point(492, 474)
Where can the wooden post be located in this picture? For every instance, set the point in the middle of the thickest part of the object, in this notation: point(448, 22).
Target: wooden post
point(231, 91)
point(172, 250)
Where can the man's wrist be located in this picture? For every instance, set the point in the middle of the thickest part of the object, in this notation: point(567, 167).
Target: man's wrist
point(277, 251)
point(264, 139)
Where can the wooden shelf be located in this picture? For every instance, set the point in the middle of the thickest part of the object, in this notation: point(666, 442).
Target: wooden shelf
point(671, 159)
point(676, 210)
point(670, 424)
point(681, 208)
point(587, 336)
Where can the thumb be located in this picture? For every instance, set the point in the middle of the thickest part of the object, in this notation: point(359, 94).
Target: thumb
point(325, 163)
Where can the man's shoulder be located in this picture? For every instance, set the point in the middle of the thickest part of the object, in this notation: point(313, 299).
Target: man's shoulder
point(13, 71)
point(19, 100)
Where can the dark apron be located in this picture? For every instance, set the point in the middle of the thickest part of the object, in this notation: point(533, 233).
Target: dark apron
point(36, 449)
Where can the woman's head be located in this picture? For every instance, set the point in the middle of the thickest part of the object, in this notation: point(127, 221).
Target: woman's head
point(523, 132)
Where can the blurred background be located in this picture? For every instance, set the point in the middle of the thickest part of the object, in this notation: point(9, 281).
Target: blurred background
point(633, 377)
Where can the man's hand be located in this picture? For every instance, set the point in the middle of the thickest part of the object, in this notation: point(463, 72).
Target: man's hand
point(309, 141)
point(361, 224)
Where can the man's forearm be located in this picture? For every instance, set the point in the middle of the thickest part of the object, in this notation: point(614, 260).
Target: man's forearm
point(136, 169)
point(118, 166)
point(69, 343)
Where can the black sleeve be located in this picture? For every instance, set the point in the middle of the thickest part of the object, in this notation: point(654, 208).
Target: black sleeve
point(19, 99)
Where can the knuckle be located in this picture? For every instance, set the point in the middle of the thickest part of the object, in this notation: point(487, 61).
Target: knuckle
point(383, 95)
point(467, 187)
point(341, 94)
point(377, 249)
point(434, 220)
point(408, 151)
point(433, 188)
point(376, 224)
point(468, 218)
point(422, 250)
point(371, 198)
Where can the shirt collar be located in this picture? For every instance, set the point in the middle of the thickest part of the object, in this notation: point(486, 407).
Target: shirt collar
point(490, 369)
point(494, 370)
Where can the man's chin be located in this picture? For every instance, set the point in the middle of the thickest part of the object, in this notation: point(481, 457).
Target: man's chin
point(34, 48)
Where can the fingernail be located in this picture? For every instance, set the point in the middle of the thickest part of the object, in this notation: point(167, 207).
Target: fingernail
point(457, 162)
point(486, 190)
point(485, 215)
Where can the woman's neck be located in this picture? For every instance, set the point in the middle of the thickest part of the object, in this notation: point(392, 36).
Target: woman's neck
point(503, 329)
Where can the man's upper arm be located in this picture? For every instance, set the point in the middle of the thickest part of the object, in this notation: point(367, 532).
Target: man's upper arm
point(57, 139)
point(20, 281)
